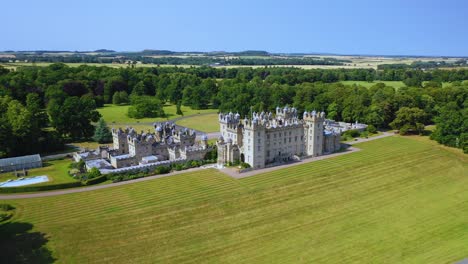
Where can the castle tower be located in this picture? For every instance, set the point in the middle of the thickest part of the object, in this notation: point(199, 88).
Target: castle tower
point(119, 139)
point(313, 132)
point(254, 143)
point(204, 141)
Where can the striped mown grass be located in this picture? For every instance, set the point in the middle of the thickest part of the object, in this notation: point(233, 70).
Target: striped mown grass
point(398, 200)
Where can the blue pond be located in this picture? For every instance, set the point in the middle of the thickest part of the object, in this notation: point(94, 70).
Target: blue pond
point(24, 181)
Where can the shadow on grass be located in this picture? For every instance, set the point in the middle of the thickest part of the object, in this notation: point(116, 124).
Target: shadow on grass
point(19, 245)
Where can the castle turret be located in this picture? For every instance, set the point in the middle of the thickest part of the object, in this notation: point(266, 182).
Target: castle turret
point(204, 141)
point(119, 138)
point(313, 132)
point(254, 142)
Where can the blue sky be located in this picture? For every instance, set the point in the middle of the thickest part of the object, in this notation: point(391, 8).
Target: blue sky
point(397, 27)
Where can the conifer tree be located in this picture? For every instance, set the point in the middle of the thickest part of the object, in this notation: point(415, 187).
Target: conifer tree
point(102, 133)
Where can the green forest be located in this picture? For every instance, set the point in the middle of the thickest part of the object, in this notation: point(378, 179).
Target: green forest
point(43, 107)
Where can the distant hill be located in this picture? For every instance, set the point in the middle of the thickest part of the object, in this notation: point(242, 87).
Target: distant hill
point(104, 51)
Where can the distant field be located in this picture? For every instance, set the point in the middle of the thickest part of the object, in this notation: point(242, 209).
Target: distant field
point(118, 114)
point(204, 123)
point(56, 170)
point(395, 84)
point(398, 200)
point(357, 62)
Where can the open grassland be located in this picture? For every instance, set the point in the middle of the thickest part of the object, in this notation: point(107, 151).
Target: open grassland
point(395, 84)
point(399, 200)
point(205, 123)
point(356, 62)
point(117, 114)
point(56, 170)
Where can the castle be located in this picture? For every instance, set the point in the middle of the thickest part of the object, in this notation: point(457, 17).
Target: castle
point(134, 151)
point(267, 139)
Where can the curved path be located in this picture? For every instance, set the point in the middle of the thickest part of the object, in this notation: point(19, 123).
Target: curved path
point(229, 172)
point(90, 188)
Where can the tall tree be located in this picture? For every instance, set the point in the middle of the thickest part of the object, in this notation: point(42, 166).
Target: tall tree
point(70, 122)
point(102, 133)
point(409, 119)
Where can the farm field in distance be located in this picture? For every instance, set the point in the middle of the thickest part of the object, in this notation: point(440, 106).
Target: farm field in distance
point(399, 199)
point(356, 62)
point(394, 84)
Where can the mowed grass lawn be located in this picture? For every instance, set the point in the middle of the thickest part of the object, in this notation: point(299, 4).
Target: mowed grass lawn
point(398, 200)
point(205, 123)
point(118, 114)
point(56, 170)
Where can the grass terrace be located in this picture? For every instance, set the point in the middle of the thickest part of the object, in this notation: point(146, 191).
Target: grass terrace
point(117, 114)
point(205, 123)
point(398, 200)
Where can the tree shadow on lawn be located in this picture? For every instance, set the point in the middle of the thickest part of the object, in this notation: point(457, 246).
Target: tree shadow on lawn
point(19, 245)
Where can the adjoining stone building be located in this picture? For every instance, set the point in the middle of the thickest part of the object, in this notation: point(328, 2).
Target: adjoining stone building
point(132, 150)
point(266, 139)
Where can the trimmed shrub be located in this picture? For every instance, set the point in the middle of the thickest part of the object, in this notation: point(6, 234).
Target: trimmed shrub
point(96, 180)
point(6, 207)
point(40, 188)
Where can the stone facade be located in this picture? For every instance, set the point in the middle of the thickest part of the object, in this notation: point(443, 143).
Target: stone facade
point(133, 150)
point(266, 138)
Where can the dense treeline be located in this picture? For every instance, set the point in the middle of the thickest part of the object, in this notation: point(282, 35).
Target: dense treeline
point(62, 90)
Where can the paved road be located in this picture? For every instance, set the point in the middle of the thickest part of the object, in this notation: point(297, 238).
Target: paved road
point(360, 140)
point(230, 172)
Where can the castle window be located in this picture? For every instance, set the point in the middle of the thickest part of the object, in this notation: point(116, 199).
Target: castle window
point(268, 153)
point(285, 140)
point(302, 137)
point(289, 140)
point(268, 136)
point(258, 133)
point(258, 148)
point(295, 138)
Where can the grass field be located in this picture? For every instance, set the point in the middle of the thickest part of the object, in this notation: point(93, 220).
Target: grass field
point(56, 170)
point(118, 114)
point(204, 123)
point(395, 84)
point(399, 200)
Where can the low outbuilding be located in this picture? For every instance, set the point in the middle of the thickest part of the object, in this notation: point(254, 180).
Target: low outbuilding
point(20, 163)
